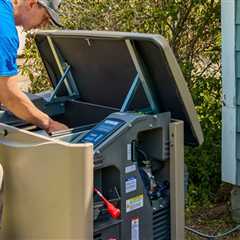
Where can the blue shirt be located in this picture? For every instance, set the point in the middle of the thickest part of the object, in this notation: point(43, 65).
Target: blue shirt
point(9, 41)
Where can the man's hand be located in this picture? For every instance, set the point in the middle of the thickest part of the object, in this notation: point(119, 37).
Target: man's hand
point(55, 126)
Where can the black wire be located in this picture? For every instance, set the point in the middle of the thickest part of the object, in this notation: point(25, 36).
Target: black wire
point(143, 153)
point(211, 237)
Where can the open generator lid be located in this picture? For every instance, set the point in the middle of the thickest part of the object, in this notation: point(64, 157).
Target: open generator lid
point(125, 71)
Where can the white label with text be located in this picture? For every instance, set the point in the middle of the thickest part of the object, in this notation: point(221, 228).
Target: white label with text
point(131, 184)
point(131, 168)
point(129, 152)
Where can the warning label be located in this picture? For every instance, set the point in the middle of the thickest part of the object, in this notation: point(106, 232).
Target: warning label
point(134, 203)
point(135, 229)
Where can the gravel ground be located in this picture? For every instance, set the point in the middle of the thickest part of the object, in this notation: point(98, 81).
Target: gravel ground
point(214, 219)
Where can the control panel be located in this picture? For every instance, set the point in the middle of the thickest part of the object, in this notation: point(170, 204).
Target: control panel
point(101, 131)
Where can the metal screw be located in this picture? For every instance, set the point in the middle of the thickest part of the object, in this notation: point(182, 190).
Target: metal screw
point(3, 132)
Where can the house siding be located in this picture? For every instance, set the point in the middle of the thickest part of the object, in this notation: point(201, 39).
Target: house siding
point(231, 82)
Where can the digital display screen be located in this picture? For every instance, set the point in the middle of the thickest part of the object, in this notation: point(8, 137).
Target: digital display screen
point(103, 130)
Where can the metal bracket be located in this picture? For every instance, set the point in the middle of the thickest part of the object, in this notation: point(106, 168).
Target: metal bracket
point(64, 69)
point(143, 76)
point(131, 94)
point(60, 83)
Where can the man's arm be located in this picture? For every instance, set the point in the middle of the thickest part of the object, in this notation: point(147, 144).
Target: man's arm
point(1, 193)
point(19, 104)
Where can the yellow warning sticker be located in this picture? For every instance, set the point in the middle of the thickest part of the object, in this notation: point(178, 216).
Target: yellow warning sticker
point(134, 203)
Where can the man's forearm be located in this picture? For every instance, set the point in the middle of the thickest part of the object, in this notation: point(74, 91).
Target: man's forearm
point(19, 104)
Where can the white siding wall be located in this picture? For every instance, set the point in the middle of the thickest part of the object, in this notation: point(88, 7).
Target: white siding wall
point(229, 161)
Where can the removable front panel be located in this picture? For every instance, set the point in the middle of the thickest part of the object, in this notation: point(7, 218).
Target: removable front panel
point(48, 187)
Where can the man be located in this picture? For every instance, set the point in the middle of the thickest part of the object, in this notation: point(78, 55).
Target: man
point(29, 14)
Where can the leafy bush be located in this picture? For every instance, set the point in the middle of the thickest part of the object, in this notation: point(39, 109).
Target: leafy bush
point(192, 28)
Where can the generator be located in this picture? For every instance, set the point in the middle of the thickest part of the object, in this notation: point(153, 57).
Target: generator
point(117, 173)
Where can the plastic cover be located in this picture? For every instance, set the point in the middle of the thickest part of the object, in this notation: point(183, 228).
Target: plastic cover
point(104, 70)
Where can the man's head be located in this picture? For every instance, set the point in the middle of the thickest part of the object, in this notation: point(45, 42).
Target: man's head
point(32, 14)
